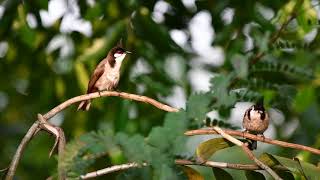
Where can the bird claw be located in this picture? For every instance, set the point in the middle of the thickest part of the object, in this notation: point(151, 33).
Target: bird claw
point(244, 131)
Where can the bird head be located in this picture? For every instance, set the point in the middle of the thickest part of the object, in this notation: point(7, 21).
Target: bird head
point(117, 54)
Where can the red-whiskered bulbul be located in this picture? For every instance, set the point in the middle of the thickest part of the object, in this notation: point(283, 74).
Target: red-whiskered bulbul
point(256, 121)
point(107, 74)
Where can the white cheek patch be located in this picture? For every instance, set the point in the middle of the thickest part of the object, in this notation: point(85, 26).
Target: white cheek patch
point(117, 55)
point(120, 57)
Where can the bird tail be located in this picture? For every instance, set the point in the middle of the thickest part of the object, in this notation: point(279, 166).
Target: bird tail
point(253, 145)
point(84, 105)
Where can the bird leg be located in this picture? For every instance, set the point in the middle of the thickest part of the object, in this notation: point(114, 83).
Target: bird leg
point(262, 136)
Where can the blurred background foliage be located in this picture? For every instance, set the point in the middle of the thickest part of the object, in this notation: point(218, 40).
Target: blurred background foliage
point(198, 55)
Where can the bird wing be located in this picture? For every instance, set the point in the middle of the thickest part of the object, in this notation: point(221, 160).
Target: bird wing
point(94, 78)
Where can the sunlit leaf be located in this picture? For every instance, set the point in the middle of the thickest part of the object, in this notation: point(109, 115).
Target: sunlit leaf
point(192, 174)
point(206, 149)
point(82, 76)
point(60, 88)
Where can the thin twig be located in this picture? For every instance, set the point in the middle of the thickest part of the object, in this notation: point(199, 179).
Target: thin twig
point(124, 95)
point(179, 162)
point(247, 151)
point(111, 169)
point(273, 39)
point(61, 147)
point(260, 163)
point(226, 165)
point(254, 137)
point(17, 156)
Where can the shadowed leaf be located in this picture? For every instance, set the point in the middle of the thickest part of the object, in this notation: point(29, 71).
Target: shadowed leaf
point(221, 174)
point(253, 175)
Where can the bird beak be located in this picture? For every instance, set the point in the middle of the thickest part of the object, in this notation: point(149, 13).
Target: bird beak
point(128, 52)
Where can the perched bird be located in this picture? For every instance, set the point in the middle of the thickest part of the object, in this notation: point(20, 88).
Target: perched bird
point(256, 121)
point(106, 75)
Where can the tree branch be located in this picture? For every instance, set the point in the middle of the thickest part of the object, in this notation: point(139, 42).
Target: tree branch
point(183, 162)
point(254, 137)
point(16, 158)
point(247, 151)
point(226, 165)
point(274, 38)
point(111, 169)
point(124, 95)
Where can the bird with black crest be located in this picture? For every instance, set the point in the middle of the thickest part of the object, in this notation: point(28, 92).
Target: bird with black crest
point(107, 74)
point(256, 121)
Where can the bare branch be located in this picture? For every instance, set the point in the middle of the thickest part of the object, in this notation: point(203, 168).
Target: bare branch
point(124, 95)
point(16, 158)
point(226, 165)
point(178, 162)
point(111, 169)
point(254, 137)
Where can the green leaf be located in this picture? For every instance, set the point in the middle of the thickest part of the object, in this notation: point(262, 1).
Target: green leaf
point(268, 159)
point(198, 106)
point(82, 76)
point(170, 138)
point(25, 33)
point(206, 149)
point(282, 70)
point(41, 4)
point(221, 174)
point(191, 173)
point(253, 175)
point(287, 175)
point(307, 18)
point(304, 98)
point(219, 86)
point(311, 171)
point(134, 147)
point(82, 152)
point(60, 88)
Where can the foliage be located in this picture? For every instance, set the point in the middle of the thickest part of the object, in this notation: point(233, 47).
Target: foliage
point(44, 62)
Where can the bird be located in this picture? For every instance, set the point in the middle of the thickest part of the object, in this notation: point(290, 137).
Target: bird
point(256, 121)
point(106, 75)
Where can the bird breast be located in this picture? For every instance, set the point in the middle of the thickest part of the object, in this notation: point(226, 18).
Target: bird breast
point(254, 123)
point(109, 79)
